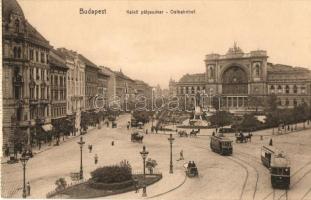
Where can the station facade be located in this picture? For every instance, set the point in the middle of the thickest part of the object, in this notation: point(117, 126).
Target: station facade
point(244, 81)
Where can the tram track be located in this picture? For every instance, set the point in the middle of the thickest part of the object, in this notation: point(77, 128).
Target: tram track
point(296, 182)
point(257, 174)
point(305, 195)
point(242, 164)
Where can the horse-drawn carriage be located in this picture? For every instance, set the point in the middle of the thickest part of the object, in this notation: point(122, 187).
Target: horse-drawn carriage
point(137, 137)
point(241, 138)
point(182, 133)
point(114, 124)
point(194, 133)
point(191, 169)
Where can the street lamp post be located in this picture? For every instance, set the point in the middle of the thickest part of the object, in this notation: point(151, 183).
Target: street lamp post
point(144, 155)
point(24, 160)
point(81, 143)
point(171, 139)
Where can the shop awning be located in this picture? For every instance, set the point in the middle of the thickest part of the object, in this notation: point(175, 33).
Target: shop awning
point(47, 127)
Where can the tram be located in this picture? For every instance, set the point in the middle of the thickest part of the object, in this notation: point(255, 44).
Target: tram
point(221, 145)
point(279, 166)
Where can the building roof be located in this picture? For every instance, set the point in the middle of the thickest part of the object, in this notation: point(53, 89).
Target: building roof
point(35, 35)
point(87, 62)
point(9, 7)
point(286, 72)
point(193, 78)
point(121, 75)
point(66, 54)
point(56, 59)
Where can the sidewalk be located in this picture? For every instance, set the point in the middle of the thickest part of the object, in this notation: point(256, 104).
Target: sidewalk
point(46, 147)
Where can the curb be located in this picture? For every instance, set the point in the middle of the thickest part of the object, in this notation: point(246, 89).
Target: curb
point(175, 188)
point(48, 148)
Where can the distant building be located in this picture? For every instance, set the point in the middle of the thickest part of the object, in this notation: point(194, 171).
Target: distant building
point(58, 80)
point(243, 81)
point(25, 69)
point(91, 82)
point(75, 86)
point(102, 89)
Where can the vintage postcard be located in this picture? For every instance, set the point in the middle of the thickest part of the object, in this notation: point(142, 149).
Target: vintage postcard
point(166, 100)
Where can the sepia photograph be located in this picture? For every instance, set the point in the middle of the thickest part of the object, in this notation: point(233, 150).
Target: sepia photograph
point(159, 99)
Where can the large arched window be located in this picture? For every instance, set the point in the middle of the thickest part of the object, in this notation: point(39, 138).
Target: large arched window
point(295, 89)
point(279, 89)
point(15, 52)
point(287, 102)
point(287, 89)
point(272, 88)
point(17, 25)
point(234, 81)
point(19, 52)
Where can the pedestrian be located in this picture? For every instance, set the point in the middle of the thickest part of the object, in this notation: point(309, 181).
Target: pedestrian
point(28, 189)
point(96, 159)
point(181, 155)
point(271, 143)
point(90, 148)
point(146, 131)
point(112, 143)
point(136, 185)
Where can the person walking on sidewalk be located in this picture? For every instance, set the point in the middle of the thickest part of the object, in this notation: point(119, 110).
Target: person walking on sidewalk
point(96, 159)
point(28, 189)
point(90, 148)
point(136, 185)
point(181, 155)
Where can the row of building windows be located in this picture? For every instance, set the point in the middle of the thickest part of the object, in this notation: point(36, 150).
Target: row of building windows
point(190, 90)
point(35, 94)
point(39, 74)
point(58, 111)
point(288, 102)
point(286, 89)
point(58, 95)
point(39, 112)
point(39, 57)
point(58, 80)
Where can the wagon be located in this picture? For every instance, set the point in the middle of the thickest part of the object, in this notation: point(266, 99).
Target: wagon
point(137, 137)
point(183, 134)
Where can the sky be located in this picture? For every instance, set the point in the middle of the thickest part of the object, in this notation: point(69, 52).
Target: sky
point(155, 48)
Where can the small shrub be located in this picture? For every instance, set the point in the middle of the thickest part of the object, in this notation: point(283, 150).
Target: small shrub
point(60, 184)
point(113, 174)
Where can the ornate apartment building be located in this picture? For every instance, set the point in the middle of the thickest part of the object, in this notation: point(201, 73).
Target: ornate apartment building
point(75, 86)
point(91, 82)
point(242, 81)
point(58, 80)
point(26, 84)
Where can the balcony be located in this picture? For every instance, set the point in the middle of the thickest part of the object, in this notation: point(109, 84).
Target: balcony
point(44, 101)
point(33, 101)
point(18, 80)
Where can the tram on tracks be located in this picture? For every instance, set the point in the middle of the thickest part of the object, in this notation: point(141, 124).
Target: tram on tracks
point(221, 145)
point(278, 164)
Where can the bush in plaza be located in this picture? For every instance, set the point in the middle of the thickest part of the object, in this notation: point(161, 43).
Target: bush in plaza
point(60, 184)
point(142, 116)
point(113, 174)
point(221, 118)
point(249, 123)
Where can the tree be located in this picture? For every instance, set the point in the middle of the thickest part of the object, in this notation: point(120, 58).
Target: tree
point(249, 123)
point(272, 103)
point(60, 184)
point(151, 164)
point(221, 118)
point(255, 102)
